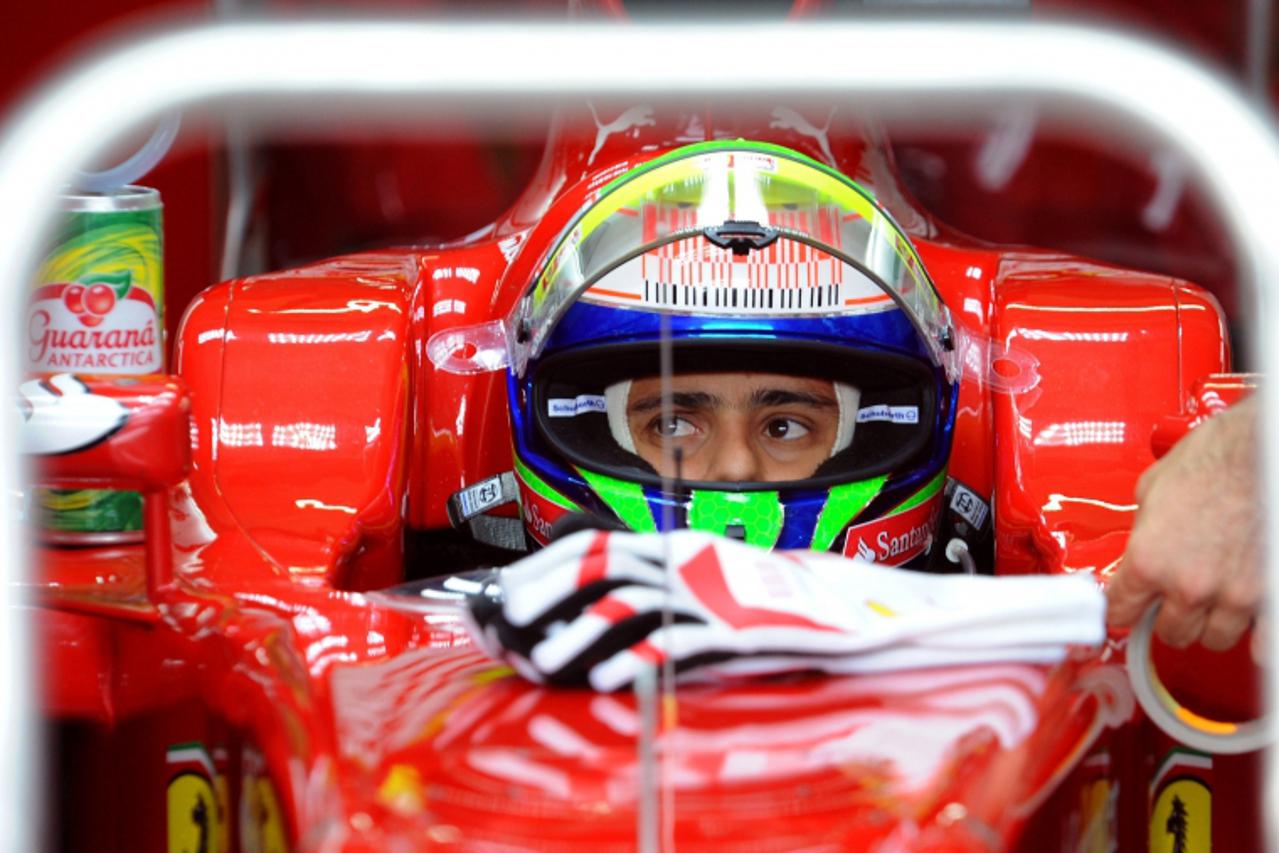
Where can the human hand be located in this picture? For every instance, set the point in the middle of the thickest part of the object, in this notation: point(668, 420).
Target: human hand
point(1196, 543)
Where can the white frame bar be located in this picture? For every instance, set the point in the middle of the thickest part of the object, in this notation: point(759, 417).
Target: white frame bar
point(414, 63)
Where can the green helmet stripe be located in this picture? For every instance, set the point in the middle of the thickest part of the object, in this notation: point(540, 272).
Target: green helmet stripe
point(759, 514)
point(842, 506)
point(848, 500)
point(625, 499)
point(539, 487)
point(924, 494)
point(700, 148)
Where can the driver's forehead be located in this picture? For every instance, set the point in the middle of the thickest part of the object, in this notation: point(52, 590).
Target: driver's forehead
point(736, 389)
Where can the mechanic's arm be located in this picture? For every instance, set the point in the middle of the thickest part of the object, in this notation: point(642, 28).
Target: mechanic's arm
point(1196, 543)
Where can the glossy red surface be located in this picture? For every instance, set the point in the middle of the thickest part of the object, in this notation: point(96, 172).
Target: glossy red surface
point(150, 452)
point(307, 372)
point(321, 432)
point(852, 762)
point(1113, 352)
point(1210, 395)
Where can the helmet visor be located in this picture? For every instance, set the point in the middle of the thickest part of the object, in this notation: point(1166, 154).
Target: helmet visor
point(789, 238)
point(747, 414)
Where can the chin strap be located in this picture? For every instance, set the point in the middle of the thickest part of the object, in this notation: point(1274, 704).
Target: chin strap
point(468, 510)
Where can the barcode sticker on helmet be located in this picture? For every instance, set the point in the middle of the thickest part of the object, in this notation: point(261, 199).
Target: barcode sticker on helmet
point(787, 278)
point(892, 414)
point(571, 407)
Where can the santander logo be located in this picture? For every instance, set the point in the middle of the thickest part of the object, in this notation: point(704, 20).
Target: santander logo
point(896, 539)
point(539, 513)
point(100, 323)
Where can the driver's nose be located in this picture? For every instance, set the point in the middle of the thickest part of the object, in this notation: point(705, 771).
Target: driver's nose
point(735, 457)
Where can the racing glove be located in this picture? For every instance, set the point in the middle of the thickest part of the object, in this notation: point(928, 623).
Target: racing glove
point(598, 607)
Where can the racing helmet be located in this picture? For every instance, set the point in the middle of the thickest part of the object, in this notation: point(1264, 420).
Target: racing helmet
point(735, 258)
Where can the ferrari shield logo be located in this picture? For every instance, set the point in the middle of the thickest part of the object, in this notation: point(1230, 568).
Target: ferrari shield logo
point(195, 801)
point(192, 814)
point(262, 820)
point(1097, 811)
point(1181, 821)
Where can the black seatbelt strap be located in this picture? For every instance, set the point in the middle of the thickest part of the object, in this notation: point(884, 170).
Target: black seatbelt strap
point(468, 509)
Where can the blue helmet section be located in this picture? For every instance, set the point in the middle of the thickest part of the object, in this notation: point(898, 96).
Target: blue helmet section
point(586, 325)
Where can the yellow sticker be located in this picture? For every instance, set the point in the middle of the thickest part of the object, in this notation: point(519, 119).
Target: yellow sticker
point(881, 609)
point(193, 821)
point(1096, 805)
point(196, 800)
point(263, 830)
point(1181, 821)
point(402, 790)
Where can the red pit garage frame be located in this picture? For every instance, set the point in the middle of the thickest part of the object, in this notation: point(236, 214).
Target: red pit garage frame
point(410, 62)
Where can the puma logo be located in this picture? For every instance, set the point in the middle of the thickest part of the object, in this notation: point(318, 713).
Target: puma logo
point(785, 118)
point(640, 115)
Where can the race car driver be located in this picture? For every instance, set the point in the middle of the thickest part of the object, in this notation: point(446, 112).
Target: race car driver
point(809, 382)
point(734, 342)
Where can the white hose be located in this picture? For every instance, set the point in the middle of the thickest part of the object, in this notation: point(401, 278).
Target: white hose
point(1176, 720)
point(957, 552)
point(135, 167)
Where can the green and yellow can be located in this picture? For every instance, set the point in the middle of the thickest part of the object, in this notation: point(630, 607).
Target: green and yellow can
point(97, 307)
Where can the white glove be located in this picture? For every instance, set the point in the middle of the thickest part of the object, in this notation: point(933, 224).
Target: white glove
point(60, 415)
point(599, 607)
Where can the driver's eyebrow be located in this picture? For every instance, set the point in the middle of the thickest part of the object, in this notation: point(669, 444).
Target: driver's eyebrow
point(678, 400)
point(764, 397)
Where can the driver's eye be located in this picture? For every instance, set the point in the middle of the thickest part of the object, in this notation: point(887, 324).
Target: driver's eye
point(785, 429)
point(673, 427)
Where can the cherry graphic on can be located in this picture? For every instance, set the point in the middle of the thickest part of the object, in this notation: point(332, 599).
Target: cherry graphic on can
point(73, 298)
point(93, 297)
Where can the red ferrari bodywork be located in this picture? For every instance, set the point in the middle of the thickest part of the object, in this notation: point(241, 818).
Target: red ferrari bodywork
point(242, 681)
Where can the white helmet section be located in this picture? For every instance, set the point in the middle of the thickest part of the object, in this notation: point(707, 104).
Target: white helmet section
point(786, 278)
point(736, 229)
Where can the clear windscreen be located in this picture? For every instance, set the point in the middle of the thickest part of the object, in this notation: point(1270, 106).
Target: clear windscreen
point(408, 734)
point(778, 236)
